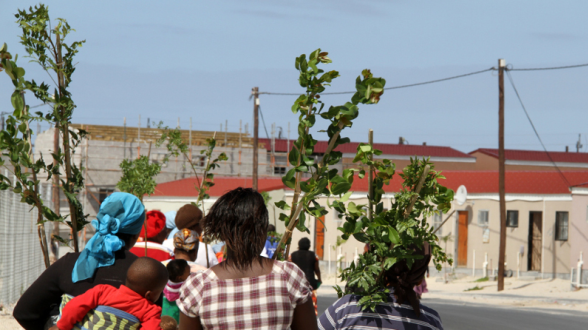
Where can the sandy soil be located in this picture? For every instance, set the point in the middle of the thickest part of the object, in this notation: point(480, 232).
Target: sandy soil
point(7, 322)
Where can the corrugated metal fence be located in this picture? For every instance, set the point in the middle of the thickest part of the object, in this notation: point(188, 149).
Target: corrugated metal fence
point(21, 259)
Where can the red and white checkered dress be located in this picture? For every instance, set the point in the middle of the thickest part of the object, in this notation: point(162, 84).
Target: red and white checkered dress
point(262, 302)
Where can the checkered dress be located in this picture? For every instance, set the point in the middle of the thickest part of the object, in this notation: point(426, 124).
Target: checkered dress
point(262, 302)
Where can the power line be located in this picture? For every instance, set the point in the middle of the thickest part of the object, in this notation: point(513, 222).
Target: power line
point(397, 87)
point(551, 68)
point(263, 120)
point(535, 130)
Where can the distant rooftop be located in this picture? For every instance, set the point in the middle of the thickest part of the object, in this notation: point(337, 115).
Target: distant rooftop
point(537, 156)
point(476, 182)
point(407, 150)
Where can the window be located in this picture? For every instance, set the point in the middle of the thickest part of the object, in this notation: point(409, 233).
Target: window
point(561, 226)
point(483, 217)
point(437, 221)
point(103, 193)
point(512, 218)
point(279, 170)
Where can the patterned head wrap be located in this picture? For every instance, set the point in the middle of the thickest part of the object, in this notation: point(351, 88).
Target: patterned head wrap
point(186, 239)
point(119, 213)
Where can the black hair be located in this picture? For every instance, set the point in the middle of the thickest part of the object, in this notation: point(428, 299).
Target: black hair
point(127, 238)
point(176, 269)
point(146, 274)
point(304, 244)
point(240, 219)
point(271, 228)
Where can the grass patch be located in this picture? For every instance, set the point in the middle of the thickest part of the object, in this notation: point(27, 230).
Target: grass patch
point(483, 279)
point(476, 288)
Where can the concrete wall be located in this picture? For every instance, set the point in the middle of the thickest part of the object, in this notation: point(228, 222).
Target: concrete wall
point(579, 228)
point(104, 157)
point(485, 162)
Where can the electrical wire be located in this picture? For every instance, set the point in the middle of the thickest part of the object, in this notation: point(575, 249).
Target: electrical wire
point(263, 120)
point(535, 129)
point(551, 68)
point(396, 87)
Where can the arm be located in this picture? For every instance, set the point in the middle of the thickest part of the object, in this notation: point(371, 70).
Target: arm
point(191, 323)
point(34, 306)
point(75, 310)
point(317, 270)
point(304, 317)
point(152, 319)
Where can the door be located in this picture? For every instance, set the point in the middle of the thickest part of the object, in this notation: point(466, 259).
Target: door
point(319, 237)
point(535, 240)
point(462, 238)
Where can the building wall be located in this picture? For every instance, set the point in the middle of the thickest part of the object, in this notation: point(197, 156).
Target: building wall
point(104, 158)
point(554, 253)
point(579, 229)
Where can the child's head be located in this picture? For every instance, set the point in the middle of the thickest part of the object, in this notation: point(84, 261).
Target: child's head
point(147, 277)
point(168, 323)
point(178, 270)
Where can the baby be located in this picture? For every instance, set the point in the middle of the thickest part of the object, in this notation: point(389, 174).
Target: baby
point(178, 271)
point(146, 279)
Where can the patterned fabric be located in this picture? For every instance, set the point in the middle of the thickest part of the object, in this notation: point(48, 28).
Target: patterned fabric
point(104, 318)
point(172, 290)
point(185, 239)
point(345, 313)
point(262, 302)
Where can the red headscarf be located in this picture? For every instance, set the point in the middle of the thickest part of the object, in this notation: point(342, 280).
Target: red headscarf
point(155, 223)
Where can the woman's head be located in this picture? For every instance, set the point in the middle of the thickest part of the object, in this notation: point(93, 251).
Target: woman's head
point(186, 244)
point(304, 244)
point(240, 219)
point(404, 279)
point(117, 224)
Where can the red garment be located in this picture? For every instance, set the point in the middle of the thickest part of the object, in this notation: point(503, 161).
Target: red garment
point(155, 223)
point(154, 250)
point(123, 299)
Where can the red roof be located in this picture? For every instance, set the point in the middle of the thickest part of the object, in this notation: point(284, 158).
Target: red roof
point(185, 187)
point(537, 156)
point(387, 149)
point(476, 182)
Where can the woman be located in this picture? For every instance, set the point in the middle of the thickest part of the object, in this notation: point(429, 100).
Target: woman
point(307, 261)
point(104, 260)
point(403, 309)
point(186, 246)
point(245, 291)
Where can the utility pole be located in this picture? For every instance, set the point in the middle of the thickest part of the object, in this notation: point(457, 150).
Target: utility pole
point(255, 92)
point(501, 192)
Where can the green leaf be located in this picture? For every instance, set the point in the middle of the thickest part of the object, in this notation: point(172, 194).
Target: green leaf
point(345, 197)
point(341, 188)
point(293, 156)
point(393, 235)
point(282, 205)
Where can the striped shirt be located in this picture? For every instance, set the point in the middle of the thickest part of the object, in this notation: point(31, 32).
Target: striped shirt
point(345, 313)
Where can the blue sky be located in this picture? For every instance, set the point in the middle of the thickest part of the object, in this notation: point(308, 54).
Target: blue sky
point(165, 60)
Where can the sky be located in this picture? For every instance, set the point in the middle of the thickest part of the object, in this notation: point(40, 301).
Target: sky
point(194, 59)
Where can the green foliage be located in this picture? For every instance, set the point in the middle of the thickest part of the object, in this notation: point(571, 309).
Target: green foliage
point(138, 176)
point(323, 181)
point(476, 288)
point(172, 138)
point(44, 46)
point(266, 197)
point(392, 232)
point(482, 279)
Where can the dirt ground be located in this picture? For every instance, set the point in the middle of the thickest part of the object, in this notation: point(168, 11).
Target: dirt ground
point(7, 322)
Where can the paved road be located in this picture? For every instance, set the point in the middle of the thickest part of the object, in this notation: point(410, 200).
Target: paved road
point(466, 316)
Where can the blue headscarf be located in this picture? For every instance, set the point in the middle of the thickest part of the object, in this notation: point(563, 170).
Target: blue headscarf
point(119, 213)
point(170, 223)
